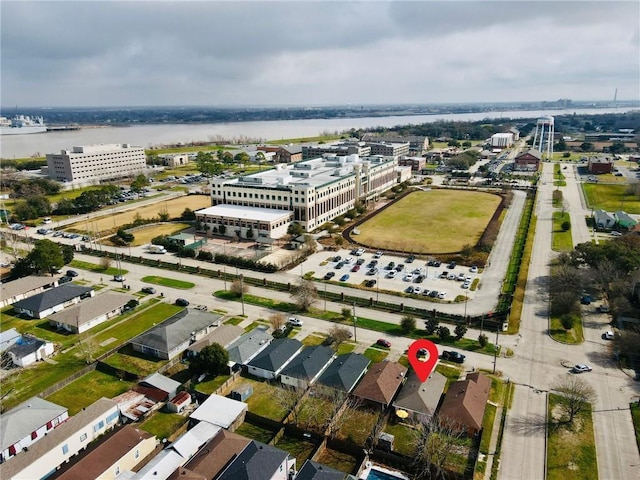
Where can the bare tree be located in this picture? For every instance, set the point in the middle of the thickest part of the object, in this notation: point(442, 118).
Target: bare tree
point(238, 287)
point(87, 346)
point(435, 444)
point(105, 262)
point(575, 395)
point(276, 321)
point(305, 294)
point(351, 408)
point(339, 335)
point(288, 396)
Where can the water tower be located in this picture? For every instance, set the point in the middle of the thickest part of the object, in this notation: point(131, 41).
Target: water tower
point(543, 140)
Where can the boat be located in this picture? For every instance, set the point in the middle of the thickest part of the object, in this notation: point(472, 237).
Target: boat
point(22, 124)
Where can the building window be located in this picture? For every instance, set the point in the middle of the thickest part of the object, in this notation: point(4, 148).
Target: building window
point(65, 449)
point(117, 470)
point(34, 435)
point(83, 437)
point(112, 417)
point(137, 454)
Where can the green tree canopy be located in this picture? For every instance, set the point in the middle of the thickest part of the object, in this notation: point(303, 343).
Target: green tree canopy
point(46, 256)
point(139, 183)
point(212, 359)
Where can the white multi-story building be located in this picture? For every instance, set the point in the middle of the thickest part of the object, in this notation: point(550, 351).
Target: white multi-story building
point(91, 164)
point(316, 191)
point(502, 140)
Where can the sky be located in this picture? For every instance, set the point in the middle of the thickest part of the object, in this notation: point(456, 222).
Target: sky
point(158, 53)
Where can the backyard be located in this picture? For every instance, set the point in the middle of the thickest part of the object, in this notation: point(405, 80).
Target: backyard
point(163, 425)
point(299, 448)
point(134, 362)
point(356, 424)
point(262, 402)
point(448, 221)
point(338, 460)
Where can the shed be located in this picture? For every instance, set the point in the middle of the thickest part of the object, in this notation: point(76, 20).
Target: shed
point(178, 403)
point(221, 411)
point(242, 392)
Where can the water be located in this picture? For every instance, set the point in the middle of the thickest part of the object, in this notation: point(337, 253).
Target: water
point(22, 146)
point(375, 474)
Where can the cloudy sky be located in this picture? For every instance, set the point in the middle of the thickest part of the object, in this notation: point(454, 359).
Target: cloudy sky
point(112, 53)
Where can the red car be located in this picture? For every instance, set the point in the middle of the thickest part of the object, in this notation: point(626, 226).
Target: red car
point(355, 268)
point(384, 343)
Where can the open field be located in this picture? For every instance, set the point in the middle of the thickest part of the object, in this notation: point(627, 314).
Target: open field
point(610, 198)
point(173, 207)
point(145, 234)
point(168, 282)
point(437, 221)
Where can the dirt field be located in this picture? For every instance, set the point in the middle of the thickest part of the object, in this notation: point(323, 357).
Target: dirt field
point(436, 221)
point(174, 207)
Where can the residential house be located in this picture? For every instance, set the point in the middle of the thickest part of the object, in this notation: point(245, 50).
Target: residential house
point(599, 165)
point(8, 338)
point(381, 383)
point(91, 312)
point(316, 471)
point(173, 336)
point(244, 349)
point(24, 287)
point(59, 445)
point(27, 423)
point(221, 411)
point(178, 403)
point(306, 367)
point(465, 402)
point(603, 219)
point(53, 300)
point(28, 350)
point(345, 372)
point(213, 457)
point(259, 461)
point(172, 458)
point(123, 451)
point(624, 220)
point(224, 335)
point(164, 384)
point(420, 399)
point(272, 360)
point(528, 161)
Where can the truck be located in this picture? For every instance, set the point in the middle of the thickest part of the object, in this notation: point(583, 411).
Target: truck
point(157, 249)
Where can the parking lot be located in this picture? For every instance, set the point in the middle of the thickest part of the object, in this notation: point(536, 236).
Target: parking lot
point(424, 278)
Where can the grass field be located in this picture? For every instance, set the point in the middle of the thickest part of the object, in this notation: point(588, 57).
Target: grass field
point(562, 241)
point(301, 449)
point(572, 336)
point(437, 221)
point(162, 424)
point(174, 208)
point(338, 460)
point(168, 282)
point(134, 362)
point(610, 198)
point(96, 268)
point(145, 234)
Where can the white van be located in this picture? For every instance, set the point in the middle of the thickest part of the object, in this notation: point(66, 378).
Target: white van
point(46, 220)
point(157, 249)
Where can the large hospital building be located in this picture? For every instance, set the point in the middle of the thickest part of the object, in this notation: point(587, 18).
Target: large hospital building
point(310, 193)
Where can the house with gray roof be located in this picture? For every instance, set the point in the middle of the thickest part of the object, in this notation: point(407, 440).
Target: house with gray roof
point(420, 399)
point(174, 335)
point(603, 219)
point(52, 300)
point(90, 313)
point(27, 423)
point(316, 471)
point(248, 346)
point(162, 383)
point(345, 372)
point(259, 461)
point(29, 349)
point(8, 338)
point(272, 360)
point(223, 335)
point(306, 367)
point(25, 287)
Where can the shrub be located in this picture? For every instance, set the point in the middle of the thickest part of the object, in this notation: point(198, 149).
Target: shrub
point(566, 226)
point(431, 325)
point(459, 331)
point(483, 340)
point(567, 321)
point(408, 324)
point(444, 333)
point(205, 256)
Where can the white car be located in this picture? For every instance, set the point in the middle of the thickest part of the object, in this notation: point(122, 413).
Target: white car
point(417, 290)
point(295, 321)
point(616, 234)
point(581, 368)
point(473, 269)
point(442, 295)
point(608, 335)
point(466, 285)
point(392, 274)
point(408, 277)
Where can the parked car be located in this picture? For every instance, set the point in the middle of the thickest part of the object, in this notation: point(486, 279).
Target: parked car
point(616, 234)
point(390, 266)
point(422, 352)
point(369, 283)
point(452, 356)
point(473, 269)
point(337, 258)
point(409, 289)
point(419, 279)
point(408, 277)
point(581, 368)
point(417, 290)
point(373, 263)
point(339, 265)
point(400, 267)
point(378, 254)
point(344, 277)
point(118, 278)
point(360, 261)
point(329, 275)
point(372, 271)
point(64, 279)
point(437, 263)
point(149, 290)
point(355, 268)
point(182, 302)
point(444, 274)
point(466, 285)
point(442, 295)
point(383, 343)
point(295, 321)
point(608, 335)
point(433, 294)
point(72, 273)
point(392, 274)
point(460, 277)
point(451, 265)
point(603, 309)
point(585, 300)
point(410, 259)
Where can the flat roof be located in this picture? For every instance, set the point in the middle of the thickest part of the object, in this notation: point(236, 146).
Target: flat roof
point(245, 213)
point(218, 410)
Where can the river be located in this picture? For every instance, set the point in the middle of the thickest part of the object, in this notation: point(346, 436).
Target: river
point(23, 146)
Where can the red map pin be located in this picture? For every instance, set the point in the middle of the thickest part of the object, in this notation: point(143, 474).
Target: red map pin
point(423, 368)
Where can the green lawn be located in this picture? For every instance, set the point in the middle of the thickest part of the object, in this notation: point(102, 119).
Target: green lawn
point(210, 385)
point(234, 321)
point(358, 426)
point(404, 437)
point(37, 327)
point(168, 282)
point(562, 241)
point(448, 220)
point(572, 336)
point(610, 198)
point(338, 460)
point(87, 389)
point(375, 355)
point(255, 432)
point(452, 373)
point(301, 449)
point(487, 427)
point(261, 401)
point(571, 453)
point(94, 267)
point(635, 416)
point(134, 362)
point(162, 424)
point(346, 348)
point(311, 340)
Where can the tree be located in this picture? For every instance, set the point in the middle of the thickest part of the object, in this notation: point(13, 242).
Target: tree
point(276, 321)
point(431, 325)
point(46, 256)
point(288, 396)
point(188, 214)
point(305, 294)
point(346, 314)
point(249, 233)
point(139, 183)
point(444, 333)
point(459, 331)
point(483, 340)
point(241, 157)
point(67, 253)
point(575, 395)
point(123, 237)
point(435, 442)
point(587, 147)
point(566, 226)
point(212, 359)
point(238, 288)
point(408, 324)
point(338, 335)
point(567, 321)
point(295, 229)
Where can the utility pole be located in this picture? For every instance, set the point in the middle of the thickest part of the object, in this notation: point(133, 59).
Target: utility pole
point(242, 292)
point(355, 319)
point(495, 353)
